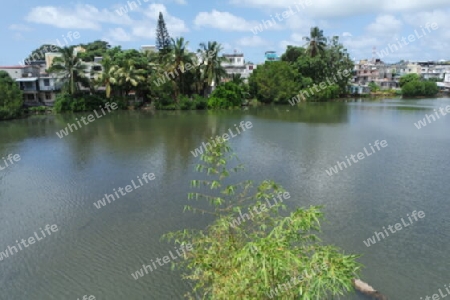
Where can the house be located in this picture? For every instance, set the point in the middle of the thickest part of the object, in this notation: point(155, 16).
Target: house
point(27, 78)
point(235, 64)
point(271, 56)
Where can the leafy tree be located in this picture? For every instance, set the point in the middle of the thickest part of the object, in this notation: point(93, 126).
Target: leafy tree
point(163, 40)
point(292, 53)
point(11, 99)
point(275, 81)
point(231, 259)
point(316, 42)
point(226, 95)
point(127, 75)
point(408, 78)
point(94, 49)
point(430, 88)
point(39, 53)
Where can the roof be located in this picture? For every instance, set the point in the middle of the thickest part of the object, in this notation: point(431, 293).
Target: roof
point(27, 79)
point(13, 67)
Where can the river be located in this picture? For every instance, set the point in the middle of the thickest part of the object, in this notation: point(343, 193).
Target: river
point(57, 180)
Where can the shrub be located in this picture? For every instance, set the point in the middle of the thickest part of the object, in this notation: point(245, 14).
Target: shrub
point(186, 103)
point(200, 102)
point(225, 96)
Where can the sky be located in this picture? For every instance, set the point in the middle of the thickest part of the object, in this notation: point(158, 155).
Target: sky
point(414, 30)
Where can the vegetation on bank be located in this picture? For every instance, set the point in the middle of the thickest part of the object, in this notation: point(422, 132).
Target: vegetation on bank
point(413, 86)
point(11, 99)
point(251, 260)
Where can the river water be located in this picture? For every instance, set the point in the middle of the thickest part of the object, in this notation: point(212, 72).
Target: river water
point(95, 250)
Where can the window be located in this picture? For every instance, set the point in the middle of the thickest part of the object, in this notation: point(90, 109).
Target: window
point(48, 96)
point(46, 82)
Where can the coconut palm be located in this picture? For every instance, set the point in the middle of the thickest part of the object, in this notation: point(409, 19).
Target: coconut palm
point(176, 60)
point(68, 66)
point(127, 75)
point(316, 42)
point(107, 77)
point(212, 70)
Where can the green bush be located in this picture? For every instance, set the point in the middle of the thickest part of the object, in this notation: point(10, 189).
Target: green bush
point(186, 103)
point(200, 102)
point(226, 96)
point(62, 103)
point(420, 88)
point(37, 108)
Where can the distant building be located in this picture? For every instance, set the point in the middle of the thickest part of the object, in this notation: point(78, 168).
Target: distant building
point(150, 48)
point(271, 56)
point(235, 64)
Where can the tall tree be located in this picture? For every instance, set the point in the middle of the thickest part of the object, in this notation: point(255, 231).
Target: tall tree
point(211, 67)
point(69, 66)
point(11, 99)
point(163, 40)
point(316, 42)
point(107, 77)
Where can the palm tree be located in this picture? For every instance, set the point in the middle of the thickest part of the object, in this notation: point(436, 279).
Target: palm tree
point(176, 61)
point(127, 76)
point(107, 77)
point(316, 42)
point(212, 70)
point(69, 66)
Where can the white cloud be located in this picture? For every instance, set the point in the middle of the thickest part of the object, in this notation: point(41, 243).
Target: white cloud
point(82, 16)
point(385, 25)
point(20, 27)
point(345, 34)
point(119, 35)
point(345, 8)
point(224, 21)
point(252, 41)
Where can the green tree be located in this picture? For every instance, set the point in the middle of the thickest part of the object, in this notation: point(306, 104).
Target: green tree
point(94, 49)
point(408, 78)
point(211, 67)
point(11, 99)
point(374, 87)
point(316, 42)
point(69, 66)
point(244, 260)
point(275, 81)
point(127, 76)
point(292, 53)
point(163, 40)
point(177, 59)
point(39, 53)
point(107, 77)
point(226, 95)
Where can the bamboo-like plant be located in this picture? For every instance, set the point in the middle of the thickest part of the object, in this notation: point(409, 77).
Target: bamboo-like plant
point(255, 257)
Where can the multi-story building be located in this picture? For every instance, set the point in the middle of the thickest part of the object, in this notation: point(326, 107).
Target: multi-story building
point(149, 48)
point(235, 64)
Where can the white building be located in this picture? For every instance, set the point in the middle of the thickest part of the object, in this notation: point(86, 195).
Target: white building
point(235, 64)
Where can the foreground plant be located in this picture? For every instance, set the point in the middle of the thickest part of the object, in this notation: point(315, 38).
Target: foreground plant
point(253, 259)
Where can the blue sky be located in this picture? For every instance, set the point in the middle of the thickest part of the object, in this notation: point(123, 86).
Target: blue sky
point(361, 25)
